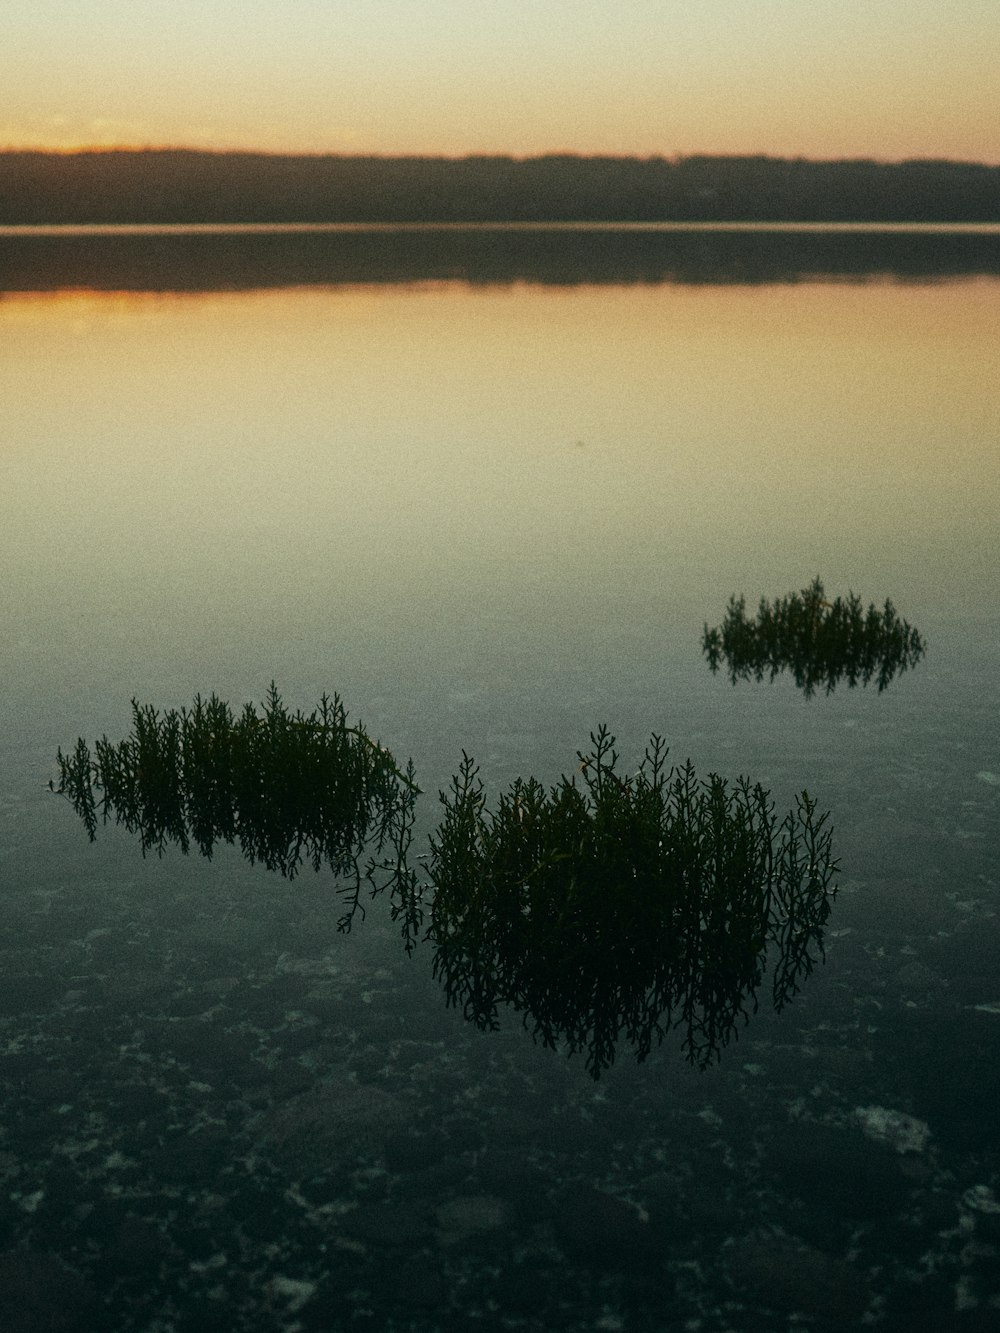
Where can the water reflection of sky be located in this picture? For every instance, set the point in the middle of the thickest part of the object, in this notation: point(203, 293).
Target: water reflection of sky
point(382, 489)
point(573, 435)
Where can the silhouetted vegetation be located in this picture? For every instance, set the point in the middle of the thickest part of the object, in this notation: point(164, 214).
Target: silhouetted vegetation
point(181, 261)
point(287, 788)
point(187, 186)
point(622, 906)
point(820, 642)
point(625, 905)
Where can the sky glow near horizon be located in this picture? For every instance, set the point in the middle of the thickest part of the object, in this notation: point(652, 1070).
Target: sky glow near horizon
point(816, 78)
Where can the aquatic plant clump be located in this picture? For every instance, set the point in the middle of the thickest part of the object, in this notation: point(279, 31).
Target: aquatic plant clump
point(289, 789)
point(625, 905)
point(821, 642)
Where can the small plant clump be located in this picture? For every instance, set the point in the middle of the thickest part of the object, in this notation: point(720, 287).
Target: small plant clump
point(821, 642)
point(625, 905)
point(289, 789)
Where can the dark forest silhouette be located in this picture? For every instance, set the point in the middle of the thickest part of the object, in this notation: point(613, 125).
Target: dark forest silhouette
point(189, 186)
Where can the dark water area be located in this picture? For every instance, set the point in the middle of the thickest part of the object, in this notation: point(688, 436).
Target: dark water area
point(494, 492)
point(214, 1102)
point(178, 260)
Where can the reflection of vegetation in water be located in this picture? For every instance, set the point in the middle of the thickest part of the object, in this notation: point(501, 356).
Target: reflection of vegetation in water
point(199, 261)
point(287, 788)
point(625, 905)
point(821, 642)
point(605, 907)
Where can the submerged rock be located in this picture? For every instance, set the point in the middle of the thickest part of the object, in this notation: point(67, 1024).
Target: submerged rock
point(387, 1225)
point(38, 1291)
point(905, 1133)
point(838, 1169)
point(330, 1125)
point(603, 1231)
point(471, 1215)
point(786, 1274)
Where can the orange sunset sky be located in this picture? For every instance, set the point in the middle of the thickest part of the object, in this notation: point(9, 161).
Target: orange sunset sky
point(888, 79)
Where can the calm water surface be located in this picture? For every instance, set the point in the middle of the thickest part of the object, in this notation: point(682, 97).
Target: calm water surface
point(493, 514)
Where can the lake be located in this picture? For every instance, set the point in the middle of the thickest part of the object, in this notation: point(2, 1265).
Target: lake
point(490, 486)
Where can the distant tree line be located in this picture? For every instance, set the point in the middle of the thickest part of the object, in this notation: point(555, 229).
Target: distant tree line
point(187, 186)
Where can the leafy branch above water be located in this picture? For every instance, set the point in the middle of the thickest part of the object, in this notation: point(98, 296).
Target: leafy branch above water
point(820, 642)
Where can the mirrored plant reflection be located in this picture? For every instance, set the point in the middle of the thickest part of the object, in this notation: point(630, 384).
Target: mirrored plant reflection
point(822, 643)
point(287, 788)
point(614, 907)
point(609, 908)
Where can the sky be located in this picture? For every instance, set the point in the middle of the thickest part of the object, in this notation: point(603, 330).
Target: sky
point(887, 79)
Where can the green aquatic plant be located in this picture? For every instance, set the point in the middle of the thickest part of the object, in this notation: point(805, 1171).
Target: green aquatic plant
point(820, 642)
point(610, 906)
point(289, 789)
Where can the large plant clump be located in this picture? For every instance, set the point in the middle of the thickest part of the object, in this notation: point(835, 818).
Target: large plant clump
point(615, 905)
point(820, 642)
point(287, 788)
point(609, 906)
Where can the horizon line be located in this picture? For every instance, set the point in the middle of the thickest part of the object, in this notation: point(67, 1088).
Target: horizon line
point(85, 229)
point(677, 157)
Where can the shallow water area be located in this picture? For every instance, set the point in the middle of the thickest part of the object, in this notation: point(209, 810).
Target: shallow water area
point(493, 507)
